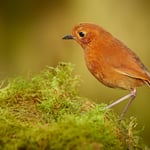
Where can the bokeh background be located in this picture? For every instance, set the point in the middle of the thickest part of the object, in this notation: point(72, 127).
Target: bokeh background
point(30, 39)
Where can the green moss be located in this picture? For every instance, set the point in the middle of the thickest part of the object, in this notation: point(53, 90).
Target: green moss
point(46, 112)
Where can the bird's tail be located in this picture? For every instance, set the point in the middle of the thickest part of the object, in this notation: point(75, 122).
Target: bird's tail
point(147, 82)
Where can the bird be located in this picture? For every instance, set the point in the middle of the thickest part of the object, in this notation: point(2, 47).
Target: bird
point(110, 61)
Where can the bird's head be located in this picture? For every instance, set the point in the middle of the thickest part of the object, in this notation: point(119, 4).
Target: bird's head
point(85, 34)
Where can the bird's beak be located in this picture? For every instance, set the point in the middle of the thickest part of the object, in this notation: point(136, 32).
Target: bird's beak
point(68, 37)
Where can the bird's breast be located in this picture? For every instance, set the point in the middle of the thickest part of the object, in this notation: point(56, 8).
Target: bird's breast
point(96, 65)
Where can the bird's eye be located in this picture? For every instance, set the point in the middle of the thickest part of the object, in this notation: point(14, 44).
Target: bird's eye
point(81, 34)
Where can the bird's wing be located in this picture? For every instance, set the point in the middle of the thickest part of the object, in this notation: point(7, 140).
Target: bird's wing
point(128, 63)
point(144, 75)
point(122, 60)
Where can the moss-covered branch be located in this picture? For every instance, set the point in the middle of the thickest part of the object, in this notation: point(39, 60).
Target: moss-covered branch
point(46, 112)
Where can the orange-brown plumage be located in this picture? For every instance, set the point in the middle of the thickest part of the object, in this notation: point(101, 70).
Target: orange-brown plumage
point(108, 59)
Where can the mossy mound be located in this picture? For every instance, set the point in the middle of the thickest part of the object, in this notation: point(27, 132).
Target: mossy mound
point(45, 112)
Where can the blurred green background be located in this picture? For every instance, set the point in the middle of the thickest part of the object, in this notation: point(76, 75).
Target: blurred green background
point(30, 39)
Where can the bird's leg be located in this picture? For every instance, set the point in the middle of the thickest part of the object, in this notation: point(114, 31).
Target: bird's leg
point(131, 95)
point(119, 100)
